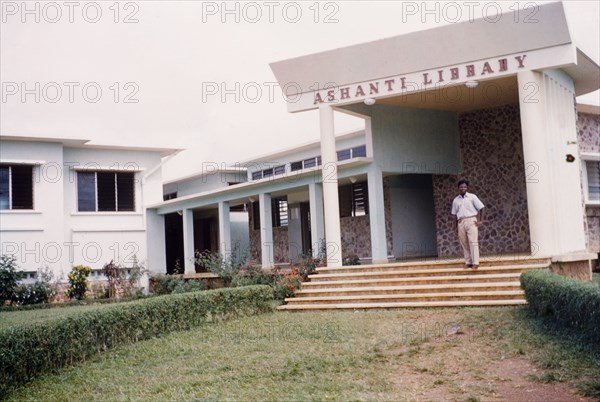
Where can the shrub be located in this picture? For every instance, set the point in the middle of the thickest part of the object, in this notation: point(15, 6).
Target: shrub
point(120, 283)
point(9, 277)
point(29, 350)
point(308, 265)
point(253, 275)
point(570, 302)
point(348, 256)
point(78, 283)
point(225, 268)
point(287, 284)
point(351, 259)
point(170, 284)
point(39, 292)
point(33, 293)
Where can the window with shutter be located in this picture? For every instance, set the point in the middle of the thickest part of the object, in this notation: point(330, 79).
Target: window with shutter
point(353, 200)
point(344, 154)
point(279, 211)
point(16, 187)
point(360, 151)
point(105, 191)
point(593, 180)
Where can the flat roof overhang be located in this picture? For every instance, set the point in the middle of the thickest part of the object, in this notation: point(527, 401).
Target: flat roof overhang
point(435, 59)
point(240, 193)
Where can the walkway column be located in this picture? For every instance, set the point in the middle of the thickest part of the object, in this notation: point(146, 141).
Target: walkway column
point(377, 215)
point(330, 188)
point(224, 230)
point(188, 241)
point(548, 124)
point(317, 227)
point(266, 231)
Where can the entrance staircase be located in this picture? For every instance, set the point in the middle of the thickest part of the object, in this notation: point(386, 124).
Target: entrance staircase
point(434, 283)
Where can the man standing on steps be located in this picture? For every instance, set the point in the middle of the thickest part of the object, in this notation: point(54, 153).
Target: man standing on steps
point(469, 213)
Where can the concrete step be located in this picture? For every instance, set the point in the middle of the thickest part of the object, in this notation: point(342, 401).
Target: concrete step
point(419, 280)
point(389, 305)
point(427, 283)
point(405, 273)
point(441, 296)
point(404, 289)
point(435, 264)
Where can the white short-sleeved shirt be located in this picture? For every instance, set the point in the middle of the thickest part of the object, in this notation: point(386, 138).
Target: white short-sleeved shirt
point(467, 206)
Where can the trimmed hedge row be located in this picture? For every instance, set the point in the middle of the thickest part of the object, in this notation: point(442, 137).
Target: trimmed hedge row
point(28, 350)
point(570, 302)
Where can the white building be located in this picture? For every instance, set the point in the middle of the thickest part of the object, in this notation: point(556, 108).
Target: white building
point(66, 202)
point(490, 102)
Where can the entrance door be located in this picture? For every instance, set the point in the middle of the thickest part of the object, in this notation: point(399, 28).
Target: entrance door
point(174, 243)
point(203, 238)
point(305, 227)
point(413, 216)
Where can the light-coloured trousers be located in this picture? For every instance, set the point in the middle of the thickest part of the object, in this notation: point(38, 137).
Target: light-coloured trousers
point(468, 235)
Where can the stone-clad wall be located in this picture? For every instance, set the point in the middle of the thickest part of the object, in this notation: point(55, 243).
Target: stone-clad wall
point(255, 252)
point(492, 161)
point(356, 231)
point(588, 138)
point(280, 241)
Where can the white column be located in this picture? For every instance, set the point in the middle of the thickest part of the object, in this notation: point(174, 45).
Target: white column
point(377, 215)
point(330, 188)
point(266, 231)
point(317, 227)
point(224, 230)
point(155, 240)
point(188, 241)
point(537, 168)
point(553, 185)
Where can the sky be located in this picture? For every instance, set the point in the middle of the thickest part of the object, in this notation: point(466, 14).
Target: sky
point(196, 75)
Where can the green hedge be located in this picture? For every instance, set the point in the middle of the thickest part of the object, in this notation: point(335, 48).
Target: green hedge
point(29, 350)
point(570, 302)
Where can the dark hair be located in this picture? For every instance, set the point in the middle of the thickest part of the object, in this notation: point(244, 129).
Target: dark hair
point(463, 181)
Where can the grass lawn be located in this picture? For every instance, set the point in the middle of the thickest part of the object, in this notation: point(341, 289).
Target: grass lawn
point(450, 354)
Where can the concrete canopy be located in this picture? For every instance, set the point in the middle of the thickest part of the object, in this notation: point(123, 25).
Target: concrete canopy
point(420, 56)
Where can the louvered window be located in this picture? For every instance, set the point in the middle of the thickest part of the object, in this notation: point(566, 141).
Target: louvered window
point(344, 154)
point(16, 187)
point(105, 191)
point(353, 200)
point(279, 211)
point(593, 180)
point(356, 152)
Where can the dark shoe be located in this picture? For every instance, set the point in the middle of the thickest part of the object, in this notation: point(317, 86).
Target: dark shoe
point(469, 265)
point(475, 266)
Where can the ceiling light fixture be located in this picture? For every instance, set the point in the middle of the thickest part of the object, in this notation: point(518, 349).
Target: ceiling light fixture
point(370, 101)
